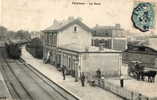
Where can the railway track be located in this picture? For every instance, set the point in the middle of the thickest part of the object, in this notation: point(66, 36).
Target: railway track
point(24, 82)
point(15, 87)
point(60, 90)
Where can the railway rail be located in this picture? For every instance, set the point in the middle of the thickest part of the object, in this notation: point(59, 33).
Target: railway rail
point(24, 82)
point(60, 90)
point(15, 87)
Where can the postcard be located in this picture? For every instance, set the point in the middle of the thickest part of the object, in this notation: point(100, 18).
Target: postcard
point(78, 49)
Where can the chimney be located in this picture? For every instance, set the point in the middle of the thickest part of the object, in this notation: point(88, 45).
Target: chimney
point(117, 26)
point(55, 22)
point(70, 18)
point(79, 18)
point(97, 25)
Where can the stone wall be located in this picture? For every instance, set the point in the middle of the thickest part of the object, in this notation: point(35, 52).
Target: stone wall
point(81, 37)
point(108, 63)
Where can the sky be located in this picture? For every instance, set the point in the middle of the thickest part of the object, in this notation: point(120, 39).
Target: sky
point(39, 14)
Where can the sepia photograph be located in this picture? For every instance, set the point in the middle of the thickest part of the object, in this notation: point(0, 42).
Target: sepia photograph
point(78, 50)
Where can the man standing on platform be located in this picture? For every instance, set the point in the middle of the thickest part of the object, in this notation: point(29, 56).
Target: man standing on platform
point(83, 79)
point(63, 72)
point(122, 81)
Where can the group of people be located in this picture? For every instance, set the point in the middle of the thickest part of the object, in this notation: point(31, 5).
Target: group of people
point(98, 76)
point(82, 78)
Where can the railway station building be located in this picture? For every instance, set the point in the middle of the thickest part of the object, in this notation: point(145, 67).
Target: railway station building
point(69, 44)
point(112, 37)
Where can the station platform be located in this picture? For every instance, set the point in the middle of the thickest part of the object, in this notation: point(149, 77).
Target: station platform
point(84, 93)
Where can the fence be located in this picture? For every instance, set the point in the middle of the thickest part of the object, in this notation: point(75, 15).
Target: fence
point(122, 92)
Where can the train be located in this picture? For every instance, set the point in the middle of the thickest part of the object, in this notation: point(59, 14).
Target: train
point(13, 50)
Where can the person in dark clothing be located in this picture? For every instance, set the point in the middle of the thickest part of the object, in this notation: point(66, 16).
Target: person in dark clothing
point(139, 97)
point(122, 81)
point(137, 68)
point(98, 72)
point(63, 72)
point(83, 79)
point(98, 75)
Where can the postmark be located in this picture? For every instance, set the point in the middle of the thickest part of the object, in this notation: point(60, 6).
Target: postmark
point(143, 16)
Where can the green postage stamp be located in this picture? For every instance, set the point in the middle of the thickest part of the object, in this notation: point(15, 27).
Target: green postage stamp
point(143, 16)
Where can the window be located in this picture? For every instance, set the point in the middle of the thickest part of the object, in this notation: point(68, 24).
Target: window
point(93, 42)
point(55, 39)
point(108, 32)
point(49, 39)
point(75, 29)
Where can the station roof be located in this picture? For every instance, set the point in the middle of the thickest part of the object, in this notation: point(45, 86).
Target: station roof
point(59, 26)
point(152, 47)
point(153, 36)
point(151, 50)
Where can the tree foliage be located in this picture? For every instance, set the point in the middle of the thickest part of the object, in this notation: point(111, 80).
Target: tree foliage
point(3, 32)
point(9, 34)
point(22, 34)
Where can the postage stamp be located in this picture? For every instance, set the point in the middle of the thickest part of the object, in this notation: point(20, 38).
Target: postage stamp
point(143, 16)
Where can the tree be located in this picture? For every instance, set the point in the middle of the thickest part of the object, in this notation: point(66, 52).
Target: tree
point(3, 32)
point(8, 34)
point(11, 34)
point(22, 34)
